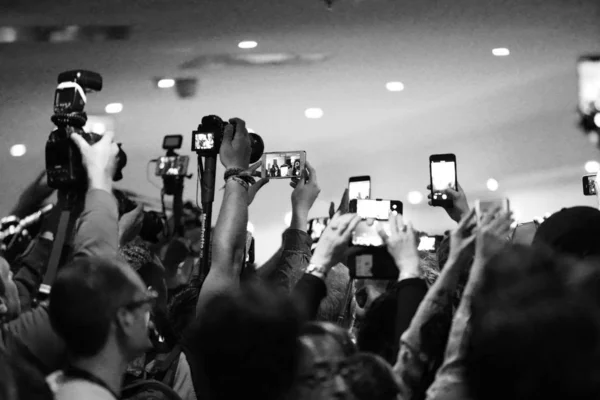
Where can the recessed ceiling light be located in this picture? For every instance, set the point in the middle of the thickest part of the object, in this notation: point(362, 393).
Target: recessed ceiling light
point(247, 44)
point(592, 167)
point(415, 197)
point(114, 108)
point(166, 83)
point(501, 52)
point(313, 113)
point(394, 86)
point(18, 150)
point(492, 184)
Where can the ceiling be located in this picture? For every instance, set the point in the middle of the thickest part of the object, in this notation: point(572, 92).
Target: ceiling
point(512, 118)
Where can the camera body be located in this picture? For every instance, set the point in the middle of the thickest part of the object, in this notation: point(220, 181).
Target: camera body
point(207, 139)
point(63, 159)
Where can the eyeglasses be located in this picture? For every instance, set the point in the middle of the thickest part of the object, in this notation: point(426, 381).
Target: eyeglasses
point(149, 298)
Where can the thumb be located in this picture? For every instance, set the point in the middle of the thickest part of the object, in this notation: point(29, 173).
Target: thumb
point(108, 137)
point(331, 209)
point(80, 142)
point(261, 182)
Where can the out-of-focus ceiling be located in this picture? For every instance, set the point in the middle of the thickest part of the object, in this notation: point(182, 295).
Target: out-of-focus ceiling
point(511, 118)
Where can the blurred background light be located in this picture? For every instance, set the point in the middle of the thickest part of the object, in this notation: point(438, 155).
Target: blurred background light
point(18, 150)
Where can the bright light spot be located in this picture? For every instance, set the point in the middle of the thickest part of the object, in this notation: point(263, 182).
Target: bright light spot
point(114, 108)
point(501, 52)
point(597, 120)
point(415, 197)
point(250, 130)
point(99, 128)
point(18, 150)
point(250, 227)
point(492, 184)
point(248, 44)
point(166, 83)
point(394, 86)
point(313, 113)
point(288, 218)
point(426, 243)
point(592, 167)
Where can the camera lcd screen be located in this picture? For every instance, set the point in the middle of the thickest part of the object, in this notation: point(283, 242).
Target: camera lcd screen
point(589, 85)
point(204, 141)
point(366, 234)
point(172, 166)
point(443, 177)
point(172, 142)
point(283, 165)
point(359, 190)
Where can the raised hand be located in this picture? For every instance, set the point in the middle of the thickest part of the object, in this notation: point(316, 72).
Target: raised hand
point(99, 160)
point(463, 238)
point(334, 241)
point(492, 232)
point(306, 190)
point(460, 206)
point(235, 149)
point(402, 245)
point(259, 183)
point(344, 206)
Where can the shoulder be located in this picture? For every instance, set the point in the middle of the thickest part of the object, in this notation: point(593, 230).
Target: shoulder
point(76, 389)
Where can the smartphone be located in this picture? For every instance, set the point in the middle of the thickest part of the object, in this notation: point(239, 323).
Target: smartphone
point(589, 185)
point(283, 164)
point(172, 166)
point(481, 207)
point(524, 233)
point(377, 209)
point(588, 68)
point(372, 263)
point(442, 174)
point(316, 226)
point(359, 187)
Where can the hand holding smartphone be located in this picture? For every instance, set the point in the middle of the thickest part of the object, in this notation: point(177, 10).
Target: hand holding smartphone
point(442, 174)
point(589, 185)
point(283, 165)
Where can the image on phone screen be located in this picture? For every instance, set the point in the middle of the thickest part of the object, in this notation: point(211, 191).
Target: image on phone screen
point(589, 84)
point(172, 166)
point(359, 189)
point(284, 164)
point(443, 177)
point(366, 234)
point(589, 185)
point(377, 209)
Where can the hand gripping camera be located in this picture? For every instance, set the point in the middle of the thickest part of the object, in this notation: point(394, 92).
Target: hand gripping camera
point(207, 139)
point(63, 159)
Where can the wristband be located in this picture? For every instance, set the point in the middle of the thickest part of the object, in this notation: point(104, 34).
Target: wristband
point(232, 172)
point(240, 181)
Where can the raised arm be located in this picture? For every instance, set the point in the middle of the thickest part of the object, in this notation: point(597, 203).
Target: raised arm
point(229, 238)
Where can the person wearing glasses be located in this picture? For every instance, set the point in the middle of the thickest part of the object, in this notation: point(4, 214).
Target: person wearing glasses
point(101, 308)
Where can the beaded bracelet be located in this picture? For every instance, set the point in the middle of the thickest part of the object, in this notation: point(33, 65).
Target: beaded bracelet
point(233, 171)
point(240, 181)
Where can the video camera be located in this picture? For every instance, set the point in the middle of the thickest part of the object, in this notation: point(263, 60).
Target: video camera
point(63, 159)
point(207, 139)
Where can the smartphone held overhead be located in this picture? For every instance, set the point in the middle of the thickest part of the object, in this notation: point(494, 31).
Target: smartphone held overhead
point(442, 175)
point(283, 164)
point(359, 187)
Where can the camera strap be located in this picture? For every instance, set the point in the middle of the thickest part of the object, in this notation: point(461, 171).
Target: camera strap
point(55, 254)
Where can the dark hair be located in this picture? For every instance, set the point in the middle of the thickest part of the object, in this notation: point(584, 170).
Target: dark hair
point(84, 301)
point(370, 377)
point(376, 331)
point(339, 334)
point(535, 329)
point(247, 344)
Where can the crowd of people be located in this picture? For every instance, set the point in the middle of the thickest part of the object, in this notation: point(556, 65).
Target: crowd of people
point(480, 319)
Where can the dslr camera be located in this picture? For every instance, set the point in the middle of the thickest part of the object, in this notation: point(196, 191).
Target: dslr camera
point(63, 159)
point(207, 139)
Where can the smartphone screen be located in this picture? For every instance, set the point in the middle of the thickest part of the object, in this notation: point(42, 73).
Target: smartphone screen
point(427, 243)
point(589, 84)
point(283, 165)
point(316, 226)
point(366, 234)
point(373, 263)
point(172, 166)
point(359, 187)
point(482, 207)
point(377, 209)
point(589, 185)
point(524, 233)
point(443, 177)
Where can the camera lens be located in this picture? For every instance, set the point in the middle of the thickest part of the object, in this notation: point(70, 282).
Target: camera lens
point(258, 147)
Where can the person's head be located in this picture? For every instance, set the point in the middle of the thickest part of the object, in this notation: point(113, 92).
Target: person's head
point(370, 377)
point(101, 304)
point(247, 343)
point(573, 231)
point(10, 305)
point(324, 348)
point(535, 328)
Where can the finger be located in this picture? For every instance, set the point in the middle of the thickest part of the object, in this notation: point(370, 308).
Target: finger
point(80, 142)
point(384, 236)
point(410, 231)
point(344, 220)
point(460, 189)
point(430, 203)
point(429, 196)
point(453, 193)
point(331, 209)
point(394, 223)
point(350, 227)
point(254, 167)
point(108, 137)
point(260, 183)
point(241, 133)
point(399, 222)
point(312, 173)
point(228, 133)
point(345, 202)
point(293, 184)
point(489, 215)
